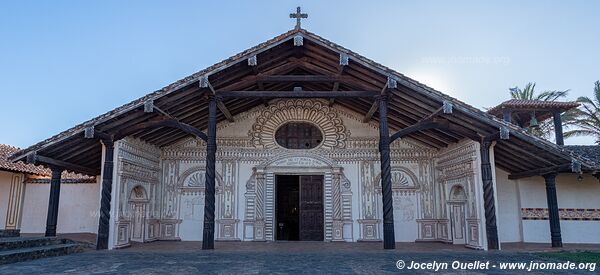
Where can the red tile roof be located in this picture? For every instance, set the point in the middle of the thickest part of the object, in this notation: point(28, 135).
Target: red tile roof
point(38, 170)
point(533, 104)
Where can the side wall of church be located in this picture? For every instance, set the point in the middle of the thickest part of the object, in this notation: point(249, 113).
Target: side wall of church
point(5, 182)
point(526, 215)
point(509, 218)
point(578, 203)
point(77, 209)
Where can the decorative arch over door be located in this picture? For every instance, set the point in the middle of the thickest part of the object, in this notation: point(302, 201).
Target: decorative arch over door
point(260, 196)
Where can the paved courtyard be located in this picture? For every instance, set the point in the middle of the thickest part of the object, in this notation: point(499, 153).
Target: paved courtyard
point(261, 258)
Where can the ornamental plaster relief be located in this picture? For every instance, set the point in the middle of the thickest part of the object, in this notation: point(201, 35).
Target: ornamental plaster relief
point(249, 143)
point(458, 166)
point(138, 173)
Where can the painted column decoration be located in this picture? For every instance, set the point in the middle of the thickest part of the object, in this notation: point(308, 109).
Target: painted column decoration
point(52, 217)
point(208, 238)
point(227, 222)
point(369, 222)
point(259, 224)
point(107, 181)
point(250, 210)
point(15, 202)
point(553, 216)
point(338, 224)
point(488, 196)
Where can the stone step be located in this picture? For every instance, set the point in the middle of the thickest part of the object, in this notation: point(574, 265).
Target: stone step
point(7, 233)
point(31, 253)
point(27, 242)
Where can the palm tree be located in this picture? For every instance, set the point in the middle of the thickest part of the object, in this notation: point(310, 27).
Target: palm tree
point(545, 128)
point(587, 117)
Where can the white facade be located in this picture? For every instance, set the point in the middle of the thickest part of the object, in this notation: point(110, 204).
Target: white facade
point(158, 193)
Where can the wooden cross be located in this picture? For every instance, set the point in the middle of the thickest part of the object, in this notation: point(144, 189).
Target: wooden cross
point(298, 15)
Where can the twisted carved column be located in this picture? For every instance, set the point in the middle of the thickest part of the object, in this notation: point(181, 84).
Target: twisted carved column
point(336, 197)
point(389, 241)
point(52, 217)
point(259, 224)
point(107, 179)
point(488, 196)
point(553, 215)
point(208, 238)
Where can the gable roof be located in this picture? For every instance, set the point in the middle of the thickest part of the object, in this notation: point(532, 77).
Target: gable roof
point(410, 102)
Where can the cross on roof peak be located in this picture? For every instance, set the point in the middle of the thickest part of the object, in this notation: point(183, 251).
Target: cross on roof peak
point(298, 16)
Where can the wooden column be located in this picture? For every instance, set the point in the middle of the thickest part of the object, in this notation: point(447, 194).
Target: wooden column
point(389, 241)
point(553, 216)
point(507, 115)
point(107, 179)
point(488, 196)
point(53, 201)
point(558, 128)
point(208, 239)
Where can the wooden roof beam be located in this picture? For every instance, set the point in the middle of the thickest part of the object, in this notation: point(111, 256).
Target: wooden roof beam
point(298, 93)
point(36, 159)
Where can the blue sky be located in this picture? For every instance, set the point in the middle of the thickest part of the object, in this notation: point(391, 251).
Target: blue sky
point(64, 62)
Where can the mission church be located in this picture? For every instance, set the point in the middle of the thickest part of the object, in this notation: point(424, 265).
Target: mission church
point(300, 139)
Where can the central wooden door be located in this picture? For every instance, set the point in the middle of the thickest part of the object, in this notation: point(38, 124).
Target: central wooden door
point(311, 208)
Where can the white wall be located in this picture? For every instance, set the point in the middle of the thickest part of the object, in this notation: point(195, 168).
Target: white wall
point(5, 181)
point(77, 210)
point(508, 218)
point(571, 193)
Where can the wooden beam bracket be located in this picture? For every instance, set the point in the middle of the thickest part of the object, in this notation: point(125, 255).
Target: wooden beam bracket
point(92, 133)
point(205, 83)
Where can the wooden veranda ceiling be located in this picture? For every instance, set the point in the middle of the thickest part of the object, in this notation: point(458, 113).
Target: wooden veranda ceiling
point(314, 66)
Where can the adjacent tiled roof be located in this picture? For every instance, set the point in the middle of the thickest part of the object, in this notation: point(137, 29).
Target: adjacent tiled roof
point(20, 167)
point(589, 152)
point(38, 170)
point(533, 104)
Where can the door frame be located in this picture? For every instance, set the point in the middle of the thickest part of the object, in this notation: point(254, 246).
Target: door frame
point(299, 174)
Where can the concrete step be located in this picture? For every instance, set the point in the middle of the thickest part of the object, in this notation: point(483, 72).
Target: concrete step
point(27, 242)
point(31, 253)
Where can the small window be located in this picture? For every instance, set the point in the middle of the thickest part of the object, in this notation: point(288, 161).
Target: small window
point(298, 135)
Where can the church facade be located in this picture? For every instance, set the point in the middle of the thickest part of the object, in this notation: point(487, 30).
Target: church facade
point(166, 185)
point(300, 139)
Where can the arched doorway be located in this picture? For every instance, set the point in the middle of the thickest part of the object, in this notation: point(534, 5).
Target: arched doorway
point(138, 201)
point(456, 202)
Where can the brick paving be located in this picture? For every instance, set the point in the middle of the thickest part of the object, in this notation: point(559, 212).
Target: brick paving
point(262, 258)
